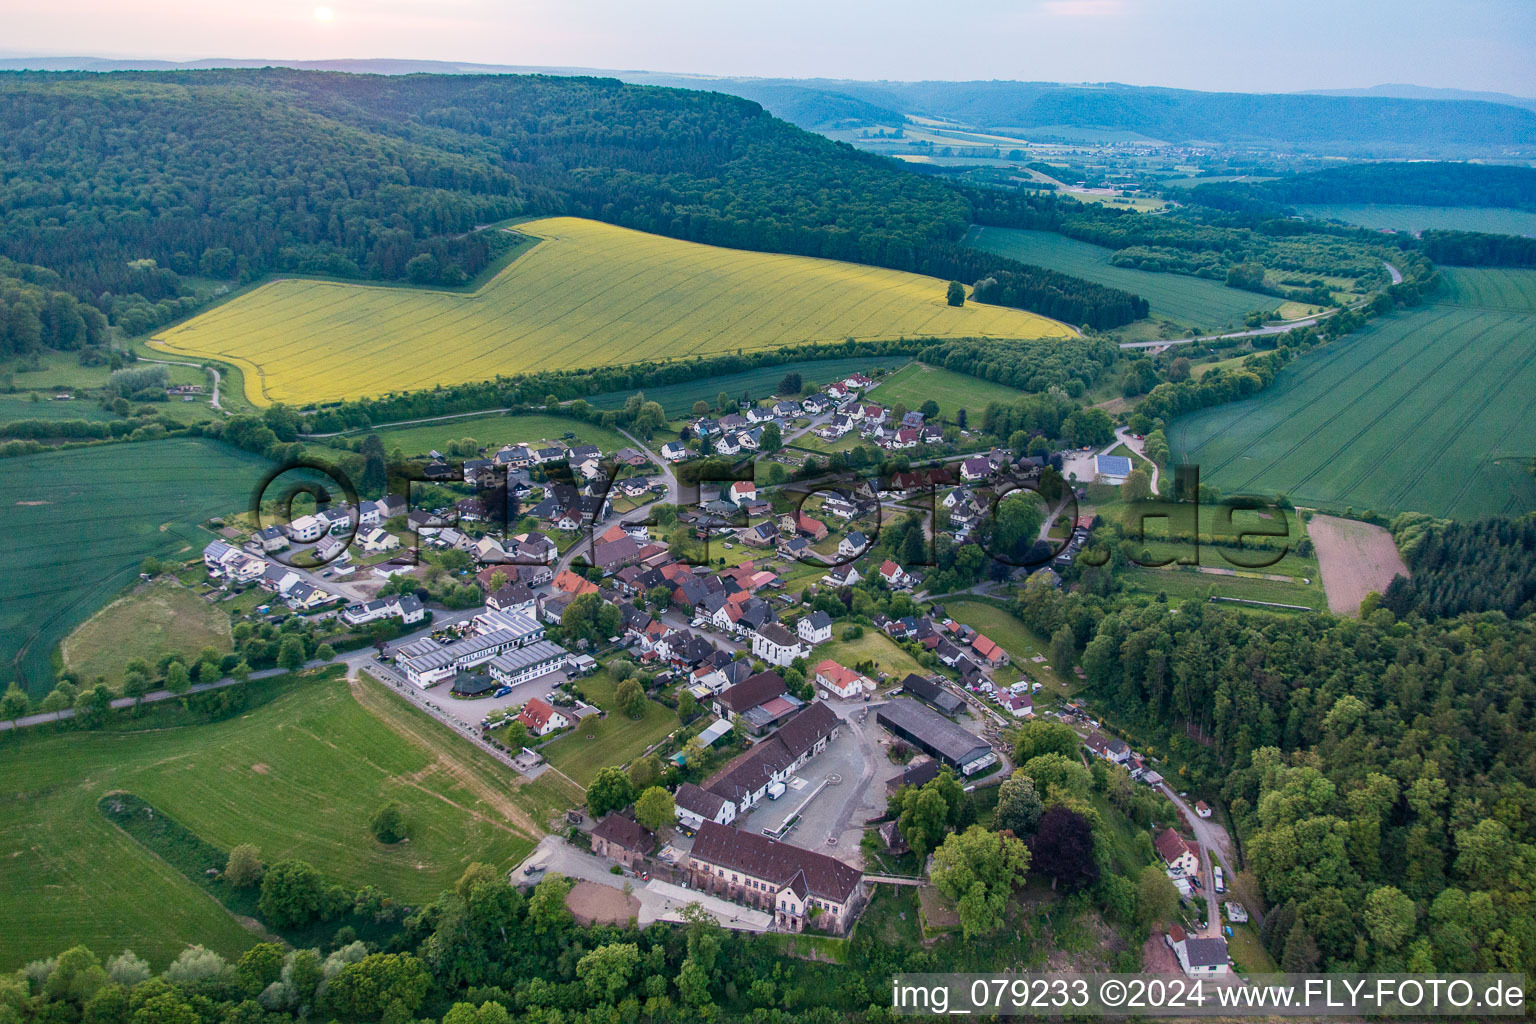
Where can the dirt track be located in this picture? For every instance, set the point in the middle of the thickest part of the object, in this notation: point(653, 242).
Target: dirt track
point(1355, 558)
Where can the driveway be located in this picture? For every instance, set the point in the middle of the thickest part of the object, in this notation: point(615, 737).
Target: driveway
point(472, 711)
point(1211, 838)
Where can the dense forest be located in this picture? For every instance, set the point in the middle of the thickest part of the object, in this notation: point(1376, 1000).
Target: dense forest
point(36, 313)
point(1484, 566)
point(130, 184)
point(1478, 249)
point(1381, 773)
point(1412, 184)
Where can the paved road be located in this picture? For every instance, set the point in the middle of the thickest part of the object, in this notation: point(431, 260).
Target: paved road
point(1257, 332)
point(43, 718)
point(1123, 435)
point(1397, 275)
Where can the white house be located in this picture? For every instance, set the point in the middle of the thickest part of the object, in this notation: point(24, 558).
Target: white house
point(1181, 856)
point(1020, 705)
point(695, 805)
point(742, 491)
point(852, 545)
point(542, 718)
point(305, 529)
point(378, 539)
point(815, 628)
point(842, 682)
point(406, 608)
point(1199, 957)
point(777, 645)
point(895, 576)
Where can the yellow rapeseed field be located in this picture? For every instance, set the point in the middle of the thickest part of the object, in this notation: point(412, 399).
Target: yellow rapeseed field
point(589, 294)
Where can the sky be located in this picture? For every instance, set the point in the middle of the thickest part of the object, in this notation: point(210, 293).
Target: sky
point(1236, 45)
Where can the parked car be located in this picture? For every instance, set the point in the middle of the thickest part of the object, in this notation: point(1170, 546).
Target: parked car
point(502, 691)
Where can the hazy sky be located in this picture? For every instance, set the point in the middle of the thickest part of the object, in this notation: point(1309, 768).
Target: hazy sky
point(1250, 45)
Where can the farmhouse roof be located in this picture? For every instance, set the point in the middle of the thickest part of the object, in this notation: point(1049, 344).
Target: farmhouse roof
point(778, 863)
point(625, 832)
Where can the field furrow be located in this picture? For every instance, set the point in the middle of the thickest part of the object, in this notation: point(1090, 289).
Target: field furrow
point(1429, 410)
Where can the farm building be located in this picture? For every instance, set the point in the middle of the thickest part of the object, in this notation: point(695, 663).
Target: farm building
point(622, 839)
point(934, 734)
point(798, 886)
point(931, 693)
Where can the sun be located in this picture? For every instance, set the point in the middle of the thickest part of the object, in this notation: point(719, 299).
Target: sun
point(324, 14)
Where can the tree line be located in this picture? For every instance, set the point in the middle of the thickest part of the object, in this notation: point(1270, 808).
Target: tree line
point(1484, 566)
point(227, 176)
point(1379, 771)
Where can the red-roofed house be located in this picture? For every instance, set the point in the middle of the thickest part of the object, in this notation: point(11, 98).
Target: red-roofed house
point(799, 522)
point(572, 584)
point(844, 682)
point(1178, 853)
point(541, 717)
point(895, 576)
point(988, 651)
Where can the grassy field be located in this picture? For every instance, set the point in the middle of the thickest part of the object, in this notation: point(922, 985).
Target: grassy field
point(22, 407)
point(495, 430)
point(616, 739)
point(55, 371)
point(591, 294)
point(1021, 643)
point(1427, 410)
point(872, 646)
point(1189, 585)
point(157, 618)
point(1188, 300)
point(1418, 218)
point(79, 523)
point(1220, 548)
point(298, 776)
point(915, 384)
point(759, 383)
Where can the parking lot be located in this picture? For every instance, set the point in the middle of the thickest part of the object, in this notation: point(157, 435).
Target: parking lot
point(471, 711)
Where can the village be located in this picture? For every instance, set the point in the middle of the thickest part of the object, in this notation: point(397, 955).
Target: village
point(726, 607)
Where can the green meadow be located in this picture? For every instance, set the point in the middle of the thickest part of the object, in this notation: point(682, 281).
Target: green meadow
point(1187, 300)
point(298, 775)
point(80, 522)
point(1428, 410)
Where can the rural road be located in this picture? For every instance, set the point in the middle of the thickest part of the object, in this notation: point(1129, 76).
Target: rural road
point(351, 659)
point(1212, 840)
point(197, 366)
point(1257, 332)
point(1281, 328)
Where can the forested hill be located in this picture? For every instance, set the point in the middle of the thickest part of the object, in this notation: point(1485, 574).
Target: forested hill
point(1416, 183)
point(1358, 125)
point(126, 184)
